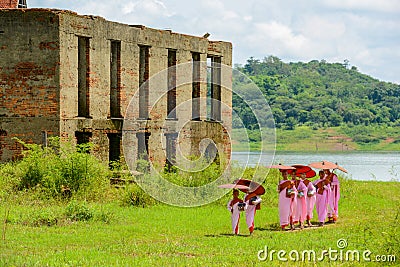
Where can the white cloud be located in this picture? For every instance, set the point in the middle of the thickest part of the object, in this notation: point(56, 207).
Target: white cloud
point(227, 15)
point(247, 18)
point(389, 6)
point(211, 5)
point(149, 7)
point(129, 7)
point(274, 37)
point(286, 36)
point(366, 32)
point(322, 27)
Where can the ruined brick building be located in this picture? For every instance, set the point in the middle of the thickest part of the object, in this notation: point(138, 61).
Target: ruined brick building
point(73, 76)
point(13, 4)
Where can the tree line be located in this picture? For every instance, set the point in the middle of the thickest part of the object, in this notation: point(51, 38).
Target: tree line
point(318, 94)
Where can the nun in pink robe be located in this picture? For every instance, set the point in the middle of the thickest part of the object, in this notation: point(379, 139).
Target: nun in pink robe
point(251, 207)
point(335, 186)
point(310, 202)
point(293, 206)
point(235, 212)
point(333, 206)
point(301, 210)
point(286, 204)
point(322, 198)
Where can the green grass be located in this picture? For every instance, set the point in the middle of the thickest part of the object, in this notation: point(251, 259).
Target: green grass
point(162, 235)
point(100, 225)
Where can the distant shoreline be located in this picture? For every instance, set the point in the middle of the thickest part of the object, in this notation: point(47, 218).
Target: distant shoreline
point(331, 139)
point(314, 151)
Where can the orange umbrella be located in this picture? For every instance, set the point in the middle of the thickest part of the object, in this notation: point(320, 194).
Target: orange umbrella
point(324, 165)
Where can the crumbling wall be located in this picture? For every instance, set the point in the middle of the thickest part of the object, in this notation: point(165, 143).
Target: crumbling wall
point(29, 78)
point(8, 3)
point(48, 74)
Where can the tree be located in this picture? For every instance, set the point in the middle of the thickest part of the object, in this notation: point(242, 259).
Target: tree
point(316, 92)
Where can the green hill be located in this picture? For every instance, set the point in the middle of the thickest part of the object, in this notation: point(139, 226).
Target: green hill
point(321, 95)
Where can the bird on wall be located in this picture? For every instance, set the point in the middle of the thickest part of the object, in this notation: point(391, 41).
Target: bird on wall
point(206, 35)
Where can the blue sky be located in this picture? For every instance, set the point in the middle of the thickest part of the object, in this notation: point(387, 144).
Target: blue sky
point(364, 32)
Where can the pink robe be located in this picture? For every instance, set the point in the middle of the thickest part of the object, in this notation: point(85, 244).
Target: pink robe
point(333, 199)
point(250, 214)
point(293, 208)
point(286, 207)
point(310, 201)
point(322, 202)
point(235, 216)
point(335, 196)
point(301, 203)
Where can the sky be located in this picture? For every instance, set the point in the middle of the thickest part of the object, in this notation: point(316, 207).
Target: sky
point(364, 32)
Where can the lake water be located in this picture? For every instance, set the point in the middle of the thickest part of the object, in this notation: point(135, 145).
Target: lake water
point(379, 166)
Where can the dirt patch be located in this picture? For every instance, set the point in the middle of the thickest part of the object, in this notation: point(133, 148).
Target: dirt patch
point(389, 140)
point(342, 147)
point(340, 137)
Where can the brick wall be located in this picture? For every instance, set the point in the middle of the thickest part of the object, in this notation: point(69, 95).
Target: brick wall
point(8, 3)
point(29, 78)
point(39, 80)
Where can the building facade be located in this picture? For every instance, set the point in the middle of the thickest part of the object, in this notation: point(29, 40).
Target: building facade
point(84, 78)
point(13, 4)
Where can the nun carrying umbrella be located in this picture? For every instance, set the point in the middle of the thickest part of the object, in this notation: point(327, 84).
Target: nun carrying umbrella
point(305, 195)
point(252, 199)
point(235, 205)
point(287, 196)
point(332, 180)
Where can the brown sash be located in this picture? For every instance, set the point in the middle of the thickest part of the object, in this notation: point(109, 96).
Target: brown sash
point(249, 196)
point(329, 178)
point(284, 185)
point(234, 201)
point(320, 187)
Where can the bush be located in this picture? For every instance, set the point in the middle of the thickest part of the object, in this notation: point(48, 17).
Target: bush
point(366, 139)
point(135, 196)
point(197, 172)
point(78, 211)
point(60, 170)
point(104, 216)
point(43, 218)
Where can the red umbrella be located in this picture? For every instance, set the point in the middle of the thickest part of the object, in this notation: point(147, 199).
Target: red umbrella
point(234, 186)
point(254, 187)
point(300, 169)
point(324, 165)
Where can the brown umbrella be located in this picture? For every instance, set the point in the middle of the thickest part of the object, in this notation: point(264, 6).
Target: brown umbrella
point(281, 167)
point(254, 187)
point(300, 169)
point(234, 186)
point(324, 165)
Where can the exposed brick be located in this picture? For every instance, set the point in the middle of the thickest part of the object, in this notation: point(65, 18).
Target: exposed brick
point(8, 3)
point(48, 45)
point(39, 82)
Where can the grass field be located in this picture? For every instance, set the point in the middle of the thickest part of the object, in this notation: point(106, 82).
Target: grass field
point(39, 233)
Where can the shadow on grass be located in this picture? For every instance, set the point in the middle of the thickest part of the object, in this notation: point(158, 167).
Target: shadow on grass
point(272, 227)
point(225, 234)
point(275, 227)
point(269, 227)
